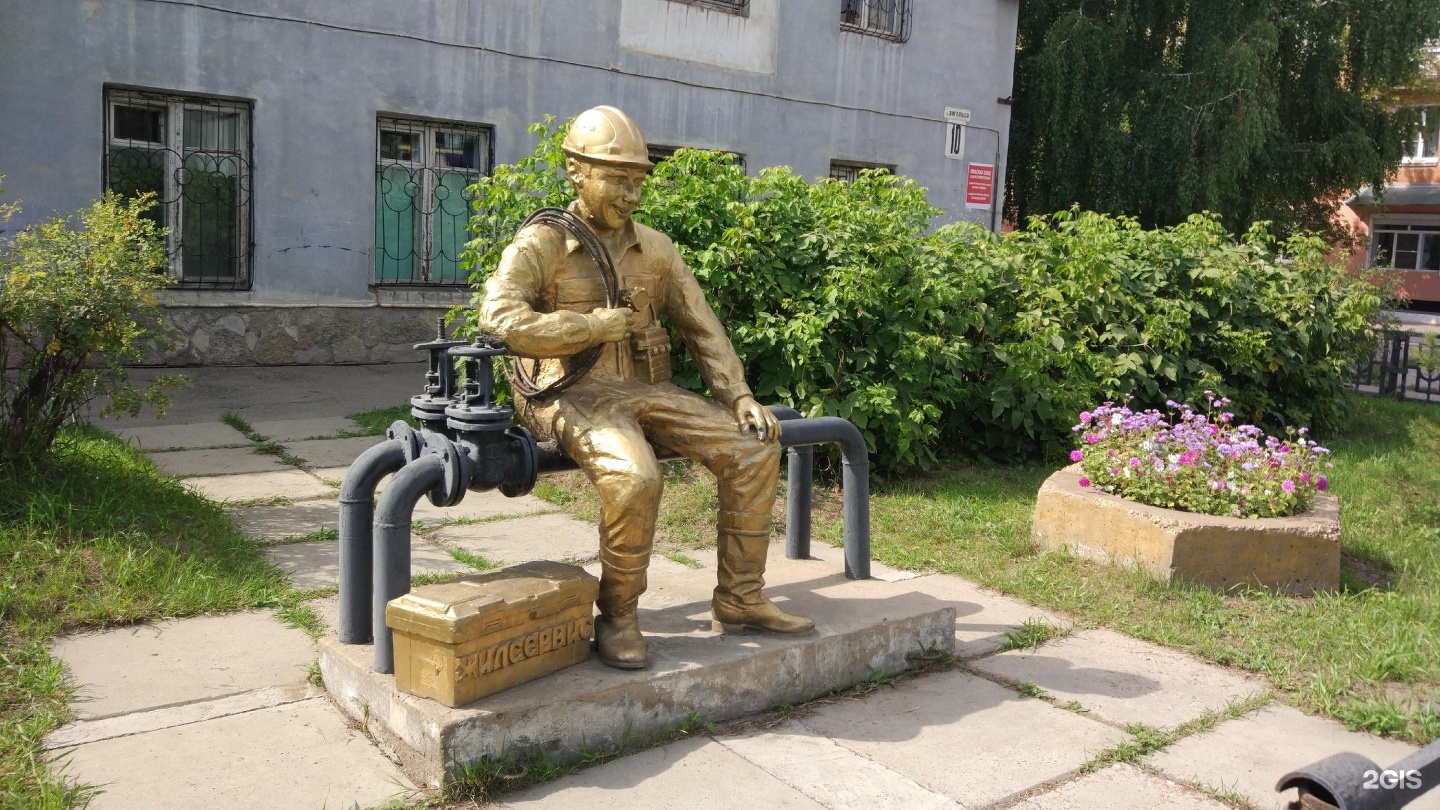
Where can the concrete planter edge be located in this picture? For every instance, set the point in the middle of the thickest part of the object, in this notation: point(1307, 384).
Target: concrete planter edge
point(1297, 555)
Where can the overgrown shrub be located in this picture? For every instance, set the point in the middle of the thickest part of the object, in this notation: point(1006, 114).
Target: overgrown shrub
point(75, 295)
point(842, 301)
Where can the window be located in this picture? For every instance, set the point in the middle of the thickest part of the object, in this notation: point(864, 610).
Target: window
point(1422, 148)
point(849, 171)
point(882, 18)
point(741, 7)
point(1405, 247)
point(659, 154)
point(422, 201)
point(193, 154)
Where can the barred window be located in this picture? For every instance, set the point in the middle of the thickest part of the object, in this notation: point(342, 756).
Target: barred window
point(848, 171)
point(423, 173)
point(741, 7)
point(882, 18)
point(193, 154)
point(659, 154)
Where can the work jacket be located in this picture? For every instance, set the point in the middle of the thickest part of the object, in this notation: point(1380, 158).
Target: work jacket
point(540, 298)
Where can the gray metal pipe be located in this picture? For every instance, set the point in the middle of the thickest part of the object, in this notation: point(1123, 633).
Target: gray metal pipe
point(393, 517)
point(799, 485)
point(855, 481)
point(357, 508)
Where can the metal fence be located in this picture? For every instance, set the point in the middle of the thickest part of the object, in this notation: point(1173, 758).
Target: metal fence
point(1404, 365)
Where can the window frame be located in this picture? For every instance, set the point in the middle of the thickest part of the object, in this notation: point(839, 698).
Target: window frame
point(1415, 150)
point(1427, 232)
point(173, 106)
point(858, 17)
point(740, 8)
point(429, 166)
point(852, 169)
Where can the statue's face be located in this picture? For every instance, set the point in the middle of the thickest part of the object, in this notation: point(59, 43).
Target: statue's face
point(608, 194)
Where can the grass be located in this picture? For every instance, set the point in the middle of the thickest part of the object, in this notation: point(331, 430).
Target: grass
point(1031, 633)
point(376, 422)
point(1364, 655)
point(96, 537)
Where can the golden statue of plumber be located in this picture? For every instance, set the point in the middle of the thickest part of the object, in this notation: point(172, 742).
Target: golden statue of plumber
point(547, 301)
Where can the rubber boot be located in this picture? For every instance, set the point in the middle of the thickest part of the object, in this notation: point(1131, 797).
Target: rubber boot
point(737, 605)
point(617, 630)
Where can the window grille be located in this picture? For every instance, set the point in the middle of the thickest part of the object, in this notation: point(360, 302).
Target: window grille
point(659, 154)
point(882, 18)
point(423, 174)
point(193, 154)
point(741, 7)
point(1405, 247)
point(848, 172)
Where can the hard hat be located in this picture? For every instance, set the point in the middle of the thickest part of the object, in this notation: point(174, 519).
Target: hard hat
point(606, 135)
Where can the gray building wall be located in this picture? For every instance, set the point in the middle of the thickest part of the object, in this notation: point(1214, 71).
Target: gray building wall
point(784, 85)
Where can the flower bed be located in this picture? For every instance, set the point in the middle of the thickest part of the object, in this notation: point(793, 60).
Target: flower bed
point(1197, 498)
point(1199, 462)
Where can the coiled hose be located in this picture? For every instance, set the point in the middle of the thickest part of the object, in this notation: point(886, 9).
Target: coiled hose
point(522, 381)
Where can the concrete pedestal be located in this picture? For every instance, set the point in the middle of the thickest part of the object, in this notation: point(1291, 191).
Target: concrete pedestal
point(1297, 555)
point(861, 627)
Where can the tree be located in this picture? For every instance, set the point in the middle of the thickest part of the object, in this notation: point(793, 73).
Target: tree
point(1255, 109)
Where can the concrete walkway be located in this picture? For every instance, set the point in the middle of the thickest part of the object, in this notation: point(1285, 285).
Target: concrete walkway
point(221, 711)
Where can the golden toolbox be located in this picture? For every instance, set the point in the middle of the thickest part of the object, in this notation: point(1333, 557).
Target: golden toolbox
point(459, 641)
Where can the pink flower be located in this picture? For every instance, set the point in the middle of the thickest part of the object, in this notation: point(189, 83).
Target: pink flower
point(1134, 462)
point(1085, 482)
point(1304, 478)
point(1321, 483)
point(1077, 455)
point(1084, 417)
point(1287, 485)
point(1091, 438)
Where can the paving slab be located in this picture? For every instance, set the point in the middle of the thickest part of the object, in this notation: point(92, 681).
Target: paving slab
point(285, 483)
point(183, 437)
point(264, 393)
point(268, 524)
point(317, 565)
point(217, 461)
point(478, 506)
point(157, 664)
point(964, 737)
point(1120, 787)
point(300, 755)
point(522, 539)
point(1249, 755)
point(690, 773)
point(983, 616)
point(295, 430)
point(80, 732)
point(331, 452)
point(832, 774)
point(861, 627)
point(1124, 680)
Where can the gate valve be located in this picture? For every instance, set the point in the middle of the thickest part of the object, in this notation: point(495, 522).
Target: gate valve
point(504, 454)
point(428, 407)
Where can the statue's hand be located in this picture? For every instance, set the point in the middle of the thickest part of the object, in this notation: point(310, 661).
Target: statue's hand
point(612, 325)
point(756, 420)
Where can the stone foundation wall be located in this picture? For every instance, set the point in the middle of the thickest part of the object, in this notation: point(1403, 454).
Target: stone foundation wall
point(283, 335)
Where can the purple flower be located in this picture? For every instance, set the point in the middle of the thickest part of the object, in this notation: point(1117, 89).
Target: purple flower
point(1321, 483)
point(1085, 482)
point(1287, 485)
point(1077, 455)
point(1304, 477)
point(1134, 462)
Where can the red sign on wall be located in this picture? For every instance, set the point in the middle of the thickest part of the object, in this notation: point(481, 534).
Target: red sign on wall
point(979, 185)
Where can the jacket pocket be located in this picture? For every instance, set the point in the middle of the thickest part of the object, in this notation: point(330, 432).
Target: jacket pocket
point(580, 294)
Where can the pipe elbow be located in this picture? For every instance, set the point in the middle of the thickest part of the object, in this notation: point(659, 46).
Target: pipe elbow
point(406, 489)
point(366, 471)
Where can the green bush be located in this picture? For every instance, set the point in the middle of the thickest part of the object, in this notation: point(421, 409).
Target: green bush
point(74, 301)
point(843, 301)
